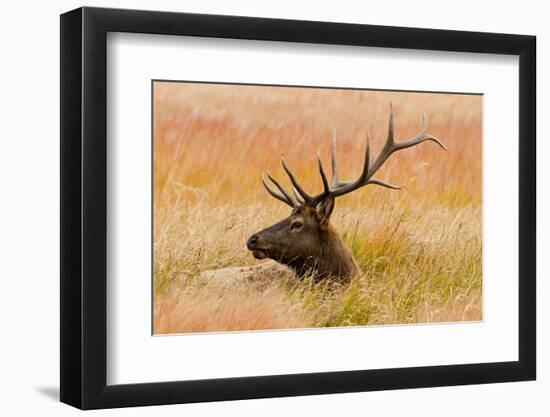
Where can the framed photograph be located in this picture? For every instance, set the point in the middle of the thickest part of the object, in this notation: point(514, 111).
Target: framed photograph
point(258, 208)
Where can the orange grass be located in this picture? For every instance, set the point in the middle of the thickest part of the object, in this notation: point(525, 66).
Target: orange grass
point(419, 248)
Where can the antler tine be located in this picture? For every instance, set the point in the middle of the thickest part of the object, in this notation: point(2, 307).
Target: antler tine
point(391, 146)
point(313, 201)
point(298, 196)
point(303, 194)
point(349, 186)
point(334, 180)
point(390, 125)
point(421, 137)
point(326, 188)
point(383, 184)
point(285, 197)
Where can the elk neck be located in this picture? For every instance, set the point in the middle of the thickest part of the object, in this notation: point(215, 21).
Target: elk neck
point(331, 258)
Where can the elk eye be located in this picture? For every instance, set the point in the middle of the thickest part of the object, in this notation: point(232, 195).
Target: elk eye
point(296, 225)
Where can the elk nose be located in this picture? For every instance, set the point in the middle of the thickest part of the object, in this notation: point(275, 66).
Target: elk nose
point(251, 244)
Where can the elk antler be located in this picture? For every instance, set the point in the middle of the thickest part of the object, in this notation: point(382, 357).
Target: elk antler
point(338, 187)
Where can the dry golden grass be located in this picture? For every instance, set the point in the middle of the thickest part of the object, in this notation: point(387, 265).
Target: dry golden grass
point(419, 249)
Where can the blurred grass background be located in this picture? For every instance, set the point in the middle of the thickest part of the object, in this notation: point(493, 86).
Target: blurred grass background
point(419, 249)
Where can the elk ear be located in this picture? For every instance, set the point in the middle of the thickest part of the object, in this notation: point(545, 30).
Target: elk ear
point(324, 210)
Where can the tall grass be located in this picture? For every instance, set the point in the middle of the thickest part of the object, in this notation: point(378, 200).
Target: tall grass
point(419, 249)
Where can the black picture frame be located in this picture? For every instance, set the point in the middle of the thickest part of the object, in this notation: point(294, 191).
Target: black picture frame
point(84, 207)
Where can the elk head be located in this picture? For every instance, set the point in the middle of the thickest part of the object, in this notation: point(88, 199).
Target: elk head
point(305, 240)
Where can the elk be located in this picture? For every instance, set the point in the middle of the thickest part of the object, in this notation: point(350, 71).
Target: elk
point(305, 241)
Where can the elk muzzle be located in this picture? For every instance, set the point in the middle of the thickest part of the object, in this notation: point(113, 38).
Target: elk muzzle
point(252, 245)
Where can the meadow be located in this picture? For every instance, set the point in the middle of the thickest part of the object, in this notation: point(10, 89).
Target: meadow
point(419, 249)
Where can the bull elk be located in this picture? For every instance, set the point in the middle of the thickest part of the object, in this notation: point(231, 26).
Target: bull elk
point(305, 241)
